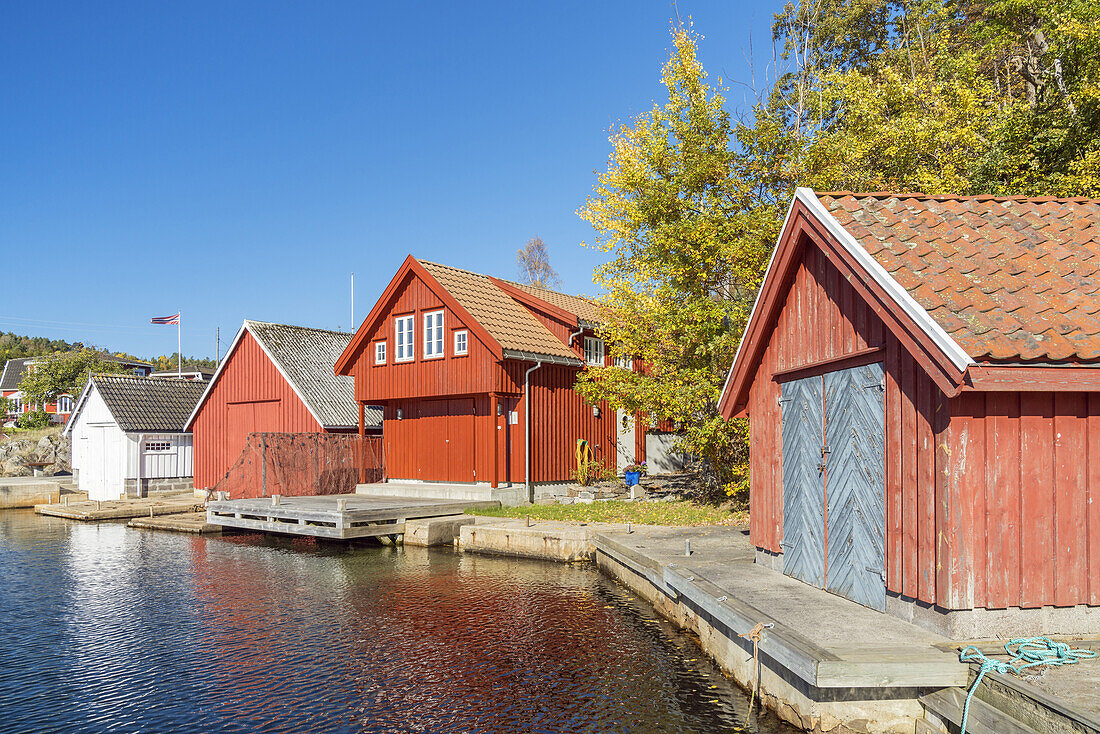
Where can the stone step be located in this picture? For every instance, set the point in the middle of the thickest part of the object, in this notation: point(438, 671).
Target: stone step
point(926, 727)
point(946, 705)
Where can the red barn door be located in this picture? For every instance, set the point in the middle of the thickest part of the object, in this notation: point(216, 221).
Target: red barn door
point(445, 440)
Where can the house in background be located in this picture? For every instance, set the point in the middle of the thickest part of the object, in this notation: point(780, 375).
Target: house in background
point(189, 372)
point(922, 375)
point(274, 378)
point(475, 375)
point(128, 436)
point(13, 372)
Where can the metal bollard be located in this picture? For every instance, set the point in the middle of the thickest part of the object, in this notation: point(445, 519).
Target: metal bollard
point(341, 504)
point(274, 500)
point(629, 528)
point(687, 546)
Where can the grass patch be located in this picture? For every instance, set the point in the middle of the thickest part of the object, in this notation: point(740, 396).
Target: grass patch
point(681, 512)
point(14, 433)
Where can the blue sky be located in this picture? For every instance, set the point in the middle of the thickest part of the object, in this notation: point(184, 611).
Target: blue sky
point(239, 160)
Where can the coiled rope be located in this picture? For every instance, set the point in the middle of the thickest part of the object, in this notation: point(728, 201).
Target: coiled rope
point(754, 635)
point(1026, 652)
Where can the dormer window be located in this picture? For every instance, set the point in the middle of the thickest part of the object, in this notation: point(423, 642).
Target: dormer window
point(593, 351)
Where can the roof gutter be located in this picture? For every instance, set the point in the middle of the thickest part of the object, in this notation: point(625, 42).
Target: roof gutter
point(541, 358)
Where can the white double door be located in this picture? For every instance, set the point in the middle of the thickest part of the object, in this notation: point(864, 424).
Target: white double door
point(105, 463)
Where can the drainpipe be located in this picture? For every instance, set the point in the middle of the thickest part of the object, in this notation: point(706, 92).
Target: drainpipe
point(527, 431)
point(574, 335)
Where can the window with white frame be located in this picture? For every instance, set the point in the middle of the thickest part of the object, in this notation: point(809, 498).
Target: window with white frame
point(403, 338)
point(158, 444)
point(433, 334)
point(627, 363)
point(380, 352)
point(14, 404)
point(593, 351)
point(461, 342)
point(64, 404)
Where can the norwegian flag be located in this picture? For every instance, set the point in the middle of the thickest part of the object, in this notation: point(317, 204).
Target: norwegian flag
point(173, 320)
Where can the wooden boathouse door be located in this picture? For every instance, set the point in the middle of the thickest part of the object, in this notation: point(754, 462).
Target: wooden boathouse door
point(834, 482)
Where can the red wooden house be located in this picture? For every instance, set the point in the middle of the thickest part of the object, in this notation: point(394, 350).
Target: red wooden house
point(922, 381)
point(274, 378)
point(471, 370)
point(59, 411)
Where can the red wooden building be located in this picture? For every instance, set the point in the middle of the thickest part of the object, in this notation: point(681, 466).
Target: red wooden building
point(921, 378)
point(274, 378)
point(451, 354)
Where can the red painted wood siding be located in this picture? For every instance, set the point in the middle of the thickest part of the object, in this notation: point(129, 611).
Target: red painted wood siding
point(989, 495)
point(250, 395)
point(477, 372)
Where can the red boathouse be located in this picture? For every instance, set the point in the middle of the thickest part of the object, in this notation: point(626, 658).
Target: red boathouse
point(922, 382)
point(274, 378)
point(452, 354)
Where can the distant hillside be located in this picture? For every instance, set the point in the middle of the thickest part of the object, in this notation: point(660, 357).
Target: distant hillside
point(14, 346)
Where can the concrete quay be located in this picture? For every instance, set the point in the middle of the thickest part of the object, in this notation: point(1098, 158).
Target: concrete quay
point(825, 665)
point(543, 539)
point(26, 492)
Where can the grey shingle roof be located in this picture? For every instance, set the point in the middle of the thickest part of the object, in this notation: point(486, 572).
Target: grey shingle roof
point(149, 403)
point(307, 358)
point(13, 371)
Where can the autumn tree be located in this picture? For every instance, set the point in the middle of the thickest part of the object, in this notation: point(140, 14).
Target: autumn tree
point(678, 215)
point(533, 261)
point(63, 373)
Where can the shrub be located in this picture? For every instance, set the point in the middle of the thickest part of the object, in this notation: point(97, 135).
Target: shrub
point(34, 419)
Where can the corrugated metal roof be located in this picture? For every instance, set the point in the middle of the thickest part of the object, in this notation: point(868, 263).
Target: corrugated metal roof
point(511, 324)
point(307, 358)
point(148, 403)
point(1010, 279)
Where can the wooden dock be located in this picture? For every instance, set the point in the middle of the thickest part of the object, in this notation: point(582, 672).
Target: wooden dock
point(95, 510)
point(337, 517)
point(186, 522)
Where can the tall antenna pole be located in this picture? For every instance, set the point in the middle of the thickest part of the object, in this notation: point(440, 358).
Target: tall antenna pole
point(218, 347)
point(352, 301)
point(179, 344)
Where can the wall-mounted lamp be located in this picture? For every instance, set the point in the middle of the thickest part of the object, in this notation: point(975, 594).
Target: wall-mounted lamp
point(500, 408)
point(400, 414)
point(595, 411)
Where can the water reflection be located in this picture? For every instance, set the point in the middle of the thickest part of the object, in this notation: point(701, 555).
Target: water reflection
point(110, 629)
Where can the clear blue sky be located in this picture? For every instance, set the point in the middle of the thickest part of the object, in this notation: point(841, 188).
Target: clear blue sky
point(239, 159)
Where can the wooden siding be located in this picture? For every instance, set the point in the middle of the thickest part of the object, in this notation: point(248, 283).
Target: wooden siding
point(250, 395)
point(477, 372)
point(989, 495)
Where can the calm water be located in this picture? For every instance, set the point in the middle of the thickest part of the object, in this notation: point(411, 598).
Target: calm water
point(108, 629)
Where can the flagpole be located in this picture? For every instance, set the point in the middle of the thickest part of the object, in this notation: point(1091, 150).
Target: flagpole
point(179, 345)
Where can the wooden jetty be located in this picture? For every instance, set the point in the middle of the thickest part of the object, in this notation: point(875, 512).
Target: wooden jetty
point(337, 517)
point(95, 510)
point(186, 522)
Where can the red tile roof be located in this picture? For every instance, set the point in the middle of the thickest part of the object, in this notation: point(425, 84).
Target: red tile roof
point(1010, 279)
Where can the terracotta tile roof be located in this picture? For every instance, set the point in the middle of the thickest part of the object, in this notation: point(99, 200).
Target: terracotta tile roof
point(1011, 279)
point(583, 308)
point(151, 404)
point(511, 324)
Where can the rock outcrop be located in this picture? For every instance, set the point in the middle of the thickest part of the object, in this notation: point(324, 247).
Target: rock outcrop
point(18, 455)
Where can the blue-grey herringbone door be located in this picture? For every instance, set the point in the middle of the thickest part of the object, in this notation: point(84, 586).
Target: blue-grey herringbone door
point(803, 483)
point(856, 484)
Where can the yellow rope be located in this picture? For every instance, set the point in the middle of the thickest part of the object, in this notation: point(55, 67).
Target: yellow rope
point(754, 635)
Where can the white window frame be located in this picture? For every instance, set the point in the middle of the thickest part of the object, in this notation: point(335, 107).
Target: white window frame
point(433, 334)
point(380, 352)
point(465, 348)
point(593, 351)
point(15, 405)
point(158, 445)
point(64, 404)
point(627, 363)
point(404, 338)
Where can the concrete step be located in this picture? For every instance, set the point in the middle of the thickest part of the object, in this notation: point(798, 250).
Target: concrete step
point(926, 727)
point(1034, 707)
point(946, 706)
point(506, 496)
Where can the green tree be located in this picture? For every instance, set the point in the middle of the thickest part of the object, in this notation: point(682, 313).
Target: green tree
point(677, 213)
point(64, 373)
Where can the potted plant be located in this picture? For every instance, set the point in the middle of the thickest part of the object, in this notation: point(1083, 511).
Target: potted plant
point(633, 473)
